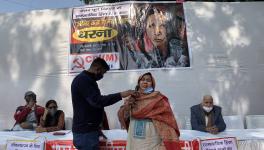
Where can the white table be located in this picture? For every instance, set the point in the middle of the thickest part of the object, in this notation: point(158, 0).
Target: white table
point(247, 138)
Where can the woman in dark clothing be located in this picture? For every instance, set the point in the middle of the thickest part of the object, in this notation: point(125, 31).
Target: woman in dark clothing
point(53, 119)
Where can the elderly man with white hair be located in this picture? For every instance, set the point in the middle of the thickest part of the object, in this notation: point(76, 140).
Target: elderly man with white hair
point(207, 117)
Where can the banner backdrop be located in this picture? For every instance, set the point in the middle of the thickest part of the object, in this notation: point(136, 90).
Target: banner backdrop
point(129, 36)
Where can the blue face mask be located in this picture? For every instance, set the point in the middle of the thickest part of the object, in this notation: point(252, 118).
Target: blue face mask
point(52, 112)
point(148, 90)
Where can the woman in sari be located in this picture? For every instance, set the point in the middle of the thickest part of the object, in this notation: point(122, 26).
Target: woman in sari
point(149, 119)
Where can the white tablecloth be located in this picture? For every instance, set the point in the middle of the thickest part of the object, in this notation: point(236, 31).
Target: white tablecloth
point(248, 139)
point(244, 134)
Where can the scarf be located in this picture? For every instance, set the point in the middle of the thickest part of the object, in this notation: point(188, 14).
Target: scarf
point(156, 107)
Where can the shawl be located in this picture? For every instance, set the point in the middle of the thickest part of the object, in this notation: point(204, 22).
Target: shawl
point(154, 106)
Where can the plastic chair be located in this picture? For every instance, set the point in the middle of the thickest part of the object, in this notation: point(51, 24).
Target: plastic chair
point(234, 122)
point(255, 121)
point(68, 123)
point(180, 121)
point(188, 125)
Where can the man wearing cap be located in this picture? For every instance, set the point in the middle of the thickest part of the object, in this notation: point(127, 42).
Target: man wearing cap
point(27, 117)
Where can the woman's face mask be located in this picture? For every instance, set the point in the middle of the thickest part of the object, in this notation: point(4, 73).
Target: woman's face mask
point(100, 74)
point(148, 90)
point(52, 110)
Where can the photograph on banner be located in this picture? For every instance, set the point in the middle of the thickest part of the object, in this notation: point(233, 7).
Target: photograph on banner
point(133, 36)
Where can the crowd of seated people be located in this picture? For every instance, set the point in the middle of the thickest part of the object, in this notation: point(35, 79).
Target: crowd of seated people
point(34, 117)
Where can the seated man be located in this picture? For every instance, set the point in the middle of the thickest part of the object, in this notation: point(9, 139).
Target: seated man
point(28, 117)
point(207, 117)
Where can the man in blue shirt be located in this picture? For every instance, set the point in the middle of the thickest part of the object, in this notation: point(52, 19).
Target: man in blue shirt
point(88, 105)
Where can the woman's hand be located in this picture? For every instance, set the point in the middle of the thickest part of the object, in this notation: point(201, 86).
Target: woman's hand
point(45, 114)
point(130, 102)
point(40, 129)
point(26, 125)
point(129, 93)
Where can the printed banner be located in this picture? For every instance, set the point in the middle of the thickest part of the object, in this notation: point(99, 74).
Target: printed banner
point(117, 145)
point(68, 145)
point(183, 145)
point(228, 143)
point(60, 145)
point(113, 145)
point(83, 61)
point(136, 35)
point(24, 145)
point(190, 145)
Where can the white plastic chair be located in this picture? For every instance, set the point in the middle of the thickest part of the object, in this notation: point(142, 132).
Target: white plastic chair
point(234, 122)
point(188, 125)
point(180, 121)
point(255, 121)
point(68, 123)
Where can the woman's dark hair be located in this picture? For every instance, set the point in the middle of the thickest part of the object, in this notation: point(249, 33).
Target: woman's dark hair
point(50, 102)
point(151, 11)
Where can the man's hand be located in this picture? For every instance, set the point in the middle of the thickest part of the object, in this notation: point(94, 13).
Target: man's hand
point(130, 103)
point(31, 104)
point(130, 100)
point(45, 114)
point(129, 92)
point(208, 129)
point(212, 130)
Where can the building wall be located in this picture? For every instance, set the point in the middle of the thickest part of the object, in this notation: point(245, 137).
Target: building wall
point(226, 46)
